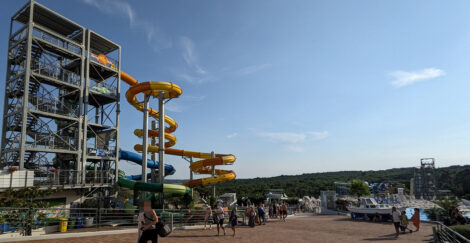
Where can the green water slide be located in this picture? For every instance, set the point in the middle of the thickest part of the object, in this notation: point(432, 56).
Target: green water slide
point(153, 187)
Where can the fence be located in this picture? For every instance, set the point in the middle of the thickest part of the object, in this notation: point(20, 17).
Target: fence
point(46, 220)
point(443, 233)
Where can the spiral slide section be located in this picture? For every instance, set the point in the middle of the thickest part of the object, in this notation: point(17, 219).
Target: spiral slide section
point(203, 166)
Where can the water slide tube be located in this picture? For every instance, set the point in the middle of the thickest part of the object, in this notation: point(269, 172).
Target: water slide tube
point(203, 166)
point(137, 158)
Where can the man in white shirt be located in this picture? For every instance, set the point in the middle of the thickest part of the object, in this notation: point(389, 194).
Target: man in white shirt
point(219, 211)
point(396, 219)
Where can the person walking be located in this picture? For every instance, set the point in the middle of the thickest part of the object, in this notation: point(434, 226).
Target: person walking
point(261, 214)
point(416, 219)
point(219, 211)
point(277, 210)
point(208, 217)
point(233, 220)
point(251, 216)
point(271, 211)
point(283, 211)
point(146, 224)
point(396, 219)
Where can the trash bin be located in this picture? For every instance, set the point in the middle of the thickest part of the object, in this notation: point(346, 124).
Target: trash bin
point(71, 223)
point(4, 227)
point(79, 222)
point(89, 222)
point(63, 225)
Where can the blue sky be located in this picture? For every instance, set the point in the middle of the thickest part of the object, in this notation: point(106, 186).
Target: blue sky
point(294, 87)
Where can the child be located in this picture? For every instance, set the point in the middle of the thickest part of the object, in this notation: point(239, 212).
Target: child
point(233, 220)
point(207, 217)
point(404, 222)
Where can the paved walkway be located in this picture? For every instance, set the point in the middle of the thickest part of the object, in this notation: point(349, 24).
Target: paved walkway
point(303, 228)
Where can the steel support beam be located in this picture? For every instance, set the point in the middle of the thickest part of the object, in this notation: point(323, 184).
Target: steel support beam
point(161, 143)
point(27, 77)
point(145, 139)
point(213, 174)
point(154, 154)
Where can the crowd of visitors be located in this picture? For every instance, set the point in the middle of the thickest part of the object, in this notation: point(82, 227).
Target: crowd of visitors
point(254, 214)
point(454, 217)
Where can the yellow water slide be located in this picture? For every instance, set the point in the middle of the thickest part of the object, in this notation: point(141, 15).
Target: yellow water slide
point(203, 166)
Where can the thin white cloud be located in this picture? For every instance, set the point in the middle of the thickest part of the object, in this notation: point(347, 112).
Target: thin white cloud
point(183, 103)
point(403, 78)
point(284, 137)
point(174, 107)
point(292, 137)
point(252, 69)
point(294, 148)
point(319, 135)
point(194, 72)
point(232, 135)
point(156, 38)
point(114, 7)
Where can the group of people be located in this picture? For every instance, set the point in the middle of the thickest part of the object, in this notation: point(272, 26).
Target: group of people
point(401, 222)
point(254, 215)
point(218, 217)
point(454, 217)
point(258, 215)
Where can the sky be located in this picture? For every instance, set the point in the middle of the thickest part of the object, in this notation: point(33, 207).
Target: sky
point(294, 87)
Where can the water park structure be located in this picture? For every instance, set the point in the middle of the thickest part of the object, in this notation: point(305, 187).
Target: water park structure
point(62, 109)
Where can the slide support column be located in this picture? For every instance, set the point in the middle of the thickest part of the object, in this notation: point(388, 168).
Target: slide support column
point(145, 137)
point(213, 174)
point(161, 142)
point(191, 175)
point(154, 155)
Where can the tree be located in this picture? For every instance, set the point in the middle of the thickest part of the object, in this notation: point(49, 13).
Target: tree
point(187, 201)
point(359, 188)
point(24, 206)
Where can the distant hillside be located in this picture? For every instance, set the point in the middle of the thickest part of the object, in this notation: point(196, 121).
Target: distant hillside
point(455, 178)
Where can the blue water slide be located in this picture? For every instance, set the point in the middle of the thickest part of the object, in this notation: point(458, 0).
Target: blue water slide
point(137, 158)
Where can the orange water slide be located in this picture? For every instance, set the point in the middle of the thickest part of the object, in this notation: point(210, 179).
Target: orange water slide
point(203, 166)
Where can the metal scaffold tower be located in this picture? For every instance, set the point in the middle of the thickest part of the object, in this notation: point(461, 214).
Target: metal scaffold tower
point(425, 182)
point(61, 104)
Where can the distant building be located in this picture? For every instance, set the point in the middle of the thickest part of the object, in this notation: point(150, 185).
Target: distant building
point(275, 195)
point(228, 199)
point(328, 199)
point(425, 182)
point(342, 188)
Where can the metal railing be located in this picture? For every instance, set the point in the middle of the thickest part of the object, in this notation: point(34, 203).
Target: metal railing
point(442, 233)
point(52, 142)
point(57, 41)
point(103, 87)
point(54, 106)
point(54, 71)
point(46, 220)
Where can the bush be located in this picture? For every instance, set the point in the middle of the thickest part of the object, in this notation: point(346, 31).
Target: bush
point(462, 229)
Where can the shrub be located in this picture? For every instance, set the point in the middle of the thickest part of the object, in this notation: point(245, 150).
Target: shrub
point(462, 229)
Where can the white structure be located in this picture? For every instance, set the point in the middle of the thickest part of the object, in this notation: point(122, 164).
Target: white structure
point(15, 179)
point(328, 199)
point(229, 199)
point(311, 204)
